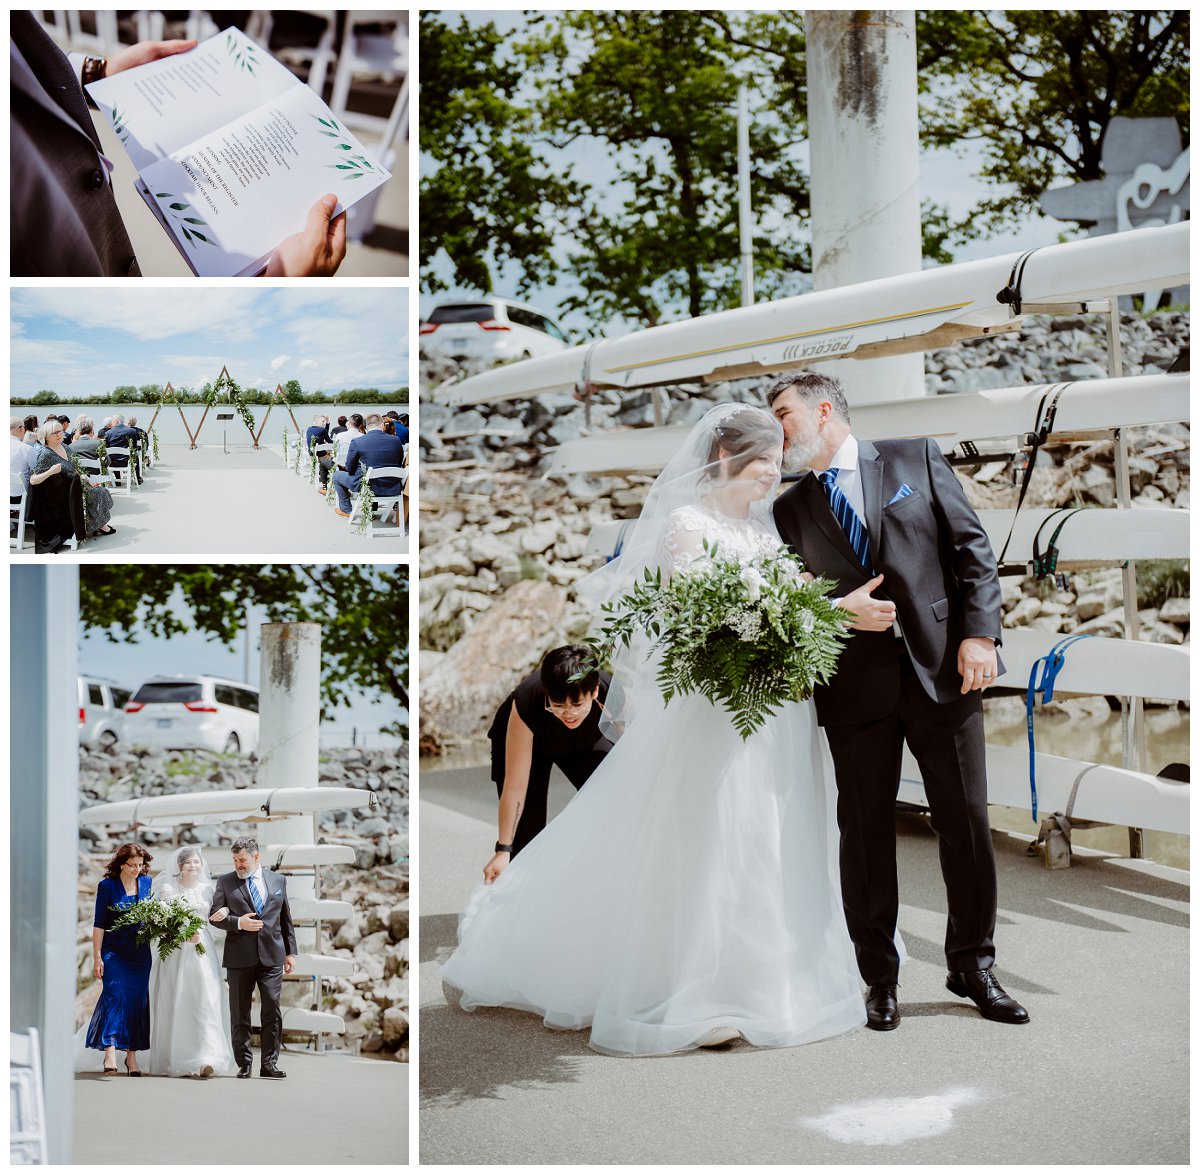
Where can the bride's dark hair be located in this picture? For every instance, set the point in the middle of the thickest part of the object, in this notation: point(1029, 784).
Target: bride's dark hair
point(185, 855)
point(741, 436)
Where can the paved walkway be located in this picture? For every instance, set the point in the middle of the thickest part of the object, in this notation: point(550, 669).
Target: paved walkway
point(207, 502)
point(332, 1109)
point(1098, 953)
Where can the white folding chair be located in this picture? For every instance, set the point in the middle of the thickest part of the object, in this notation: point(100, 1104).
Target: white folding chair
point(383, 505)
point(27, 1100)
point(16, 510)
point(372, 54)
point(325, 450)
point(92, 466)
point(123, 476)
point(103, 42)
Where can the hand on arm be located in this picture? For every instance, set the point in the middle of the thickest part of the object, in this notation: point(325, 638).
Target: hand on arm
point(871, 615)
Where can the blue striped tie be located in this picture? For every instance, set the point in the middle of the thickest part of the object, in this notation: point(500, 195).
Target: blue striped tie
point(848, 520)
point(255, 897)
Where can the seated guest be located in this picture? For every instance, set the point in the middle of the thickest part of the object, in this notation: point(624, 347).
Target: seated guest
point(548, 720)
point(31, 427)
point(352, 431)
point(85, 443)
point(399, 425)
point(143, 444)
point(341, 427)
point(68, 435)
point(62, 504)
point(102, 432)
point(20, 463)
point(373, 450)
point(122, 436)
point(317, 433)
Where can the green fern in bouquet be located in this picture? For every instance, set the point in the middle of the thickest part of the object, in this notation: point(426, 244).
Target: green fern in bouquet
point(169, 925)
point(747, 636)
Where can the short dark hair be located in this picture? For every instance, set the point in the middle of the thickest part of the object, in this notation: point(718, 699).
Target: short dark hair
point(560, 665)
point(341, 420)
point(244, 844)
point(132, 849)
point(813, 386)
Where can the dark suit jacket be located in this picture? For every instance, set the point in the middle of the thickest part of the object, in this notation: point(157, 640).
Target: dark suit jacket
point(122, 436)
point(375, 450)
point(249, 948)
point(938, 569)
point(316, 436)
point(64, 219)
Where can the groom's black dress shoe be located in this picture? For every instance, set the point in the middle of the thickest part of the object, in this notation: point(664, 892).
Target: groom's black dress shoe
point(245, 1071)
point(993, 1002)
point(271, 1072)
point(883, 1012)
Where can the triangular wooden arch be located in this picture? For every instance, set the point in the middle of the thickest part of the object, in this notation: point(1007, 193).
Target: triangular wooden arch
point(161, 398)
point(216, 384)
point(277, 394)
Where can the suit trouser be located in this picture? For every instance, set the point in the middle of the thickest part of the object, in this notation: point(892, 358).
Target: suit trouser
point(242, 981)
point(577, 767)
point(948, 743)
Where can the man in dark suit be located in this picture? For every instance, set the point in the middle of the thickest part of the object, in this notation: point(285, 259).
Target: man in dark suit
point(260, 949)
point(121, 436)
point(317, 433)
point(890, 523)
point(375, 449)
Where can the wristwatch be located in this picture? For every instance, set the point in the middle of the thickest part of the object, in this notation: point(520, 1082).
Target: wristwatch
point(94, 68)
point(503, 848)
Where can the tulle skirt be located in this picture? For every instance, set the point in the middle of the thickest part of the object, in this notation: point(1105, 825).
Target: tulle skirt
point(189, 1014)
point(691, 885)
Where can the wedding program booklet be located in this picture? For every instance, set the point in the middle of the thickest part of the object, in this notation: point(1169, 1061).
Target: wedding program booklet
point(232, 150)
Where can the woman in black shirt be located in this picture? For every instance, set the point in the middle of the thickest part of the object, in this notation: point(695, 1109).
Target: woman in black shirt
point(547, 720)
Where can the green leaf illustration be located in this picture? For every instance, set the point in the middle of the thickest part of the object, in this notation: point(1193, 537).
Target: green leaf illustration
point(178, 207)
point(194, 220)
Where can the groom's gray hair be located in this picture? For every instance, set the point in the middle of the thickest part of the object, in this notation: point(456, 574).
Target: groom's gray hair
point(813, 387)
point(244, 844)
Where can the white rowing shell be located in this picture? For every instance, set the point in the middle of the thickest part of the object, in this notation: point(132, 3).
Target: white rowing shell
point(997, 414)
point(1111, 795)
point(258, 803)
point(913, 311)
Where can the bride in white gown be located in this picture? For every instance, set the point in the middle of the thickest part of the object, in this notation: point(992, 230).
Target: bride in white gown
point(689, 893)
point(189, 1005)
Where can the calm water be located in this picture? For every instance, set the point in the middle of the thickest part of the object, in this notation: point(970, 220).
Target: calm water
point(1167, 741)
point(171, 431)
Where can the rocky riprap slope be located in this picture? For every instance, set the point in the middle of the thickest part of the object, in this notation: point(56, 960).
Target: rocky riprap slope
point(375, 1000)
point(489, 520)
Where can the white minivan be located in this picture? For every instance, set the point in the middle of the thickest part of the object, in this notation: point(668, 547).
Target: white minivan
point(195, 712)
point(101, 712)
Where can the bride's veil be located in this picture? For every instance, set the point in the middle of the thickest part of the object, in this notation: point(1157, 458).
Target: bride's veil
point(171, 873)
point(696, 471)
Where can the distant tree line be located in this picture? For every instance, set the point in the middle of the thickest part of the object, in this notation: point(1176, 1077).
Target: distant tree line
point(149, 394)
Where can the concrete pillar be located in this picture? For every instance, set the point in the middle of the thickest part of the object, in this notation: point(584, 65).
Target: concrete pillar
point(44, 828)
point(866, 206)
point(289, 720)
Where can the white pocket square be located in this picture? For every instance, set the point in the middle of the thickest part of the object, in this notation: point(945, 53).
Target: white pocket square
point(901, 493)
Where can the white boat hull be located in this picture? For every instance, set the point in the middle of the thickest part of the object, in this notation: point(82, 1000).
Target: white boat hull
point(909, 312)
point(259, 803)
point(1109, 795)
point(320, 910)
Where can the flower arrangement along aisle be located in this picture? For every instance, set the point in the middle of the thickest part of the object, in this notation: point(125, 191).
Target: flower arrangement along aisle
point(748, 636)
point(169, 925)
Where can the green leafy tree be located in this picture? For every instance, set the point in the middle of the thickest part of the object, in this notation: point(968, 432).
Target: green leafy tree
point(488, 198)
point(363, 611)
point(45, 396)
point(1038, 89)
point(293, 393)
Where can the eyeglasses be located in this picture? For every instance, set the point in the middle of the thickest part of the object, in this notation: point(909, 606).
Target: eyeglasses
point(570, 708)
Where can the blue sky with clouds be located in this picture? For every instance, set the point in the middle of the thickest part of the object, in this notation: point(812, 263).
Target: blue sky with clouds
point(88, 340)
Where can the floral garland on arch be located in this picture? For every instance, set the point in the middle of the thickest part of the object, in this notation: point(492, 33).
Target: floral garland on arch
point(225, 380)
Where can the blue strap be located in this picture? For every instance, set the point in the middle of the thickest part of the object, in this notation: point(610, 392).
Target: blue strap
point(1051, 663)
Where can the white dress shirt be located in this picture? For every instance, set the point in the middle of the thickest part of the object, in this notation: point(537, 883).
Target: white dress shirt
point(21, 460)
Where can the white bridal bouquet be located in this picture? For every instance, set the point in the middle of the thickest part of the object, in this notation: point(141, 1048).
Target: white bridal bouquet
point(169, 925)
point(750, 636)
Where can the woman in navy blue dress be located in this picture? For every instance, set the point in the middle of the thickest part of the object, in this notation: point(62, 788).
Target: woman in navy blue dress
point(122, 1017)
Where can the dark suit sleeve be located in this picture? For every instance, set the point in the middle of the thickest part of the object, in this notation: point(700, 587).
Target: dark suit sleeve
point(352, 457)
point(220, 899)
point(286, 929)
point(974, 563)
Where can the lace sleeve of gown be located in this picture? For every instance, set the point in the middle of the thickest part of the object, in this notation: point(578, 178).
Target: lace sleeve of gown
point(682, 541)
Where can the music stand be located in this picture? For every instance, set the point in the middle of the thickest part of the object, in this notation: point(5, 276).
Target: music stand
point(225, 432)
